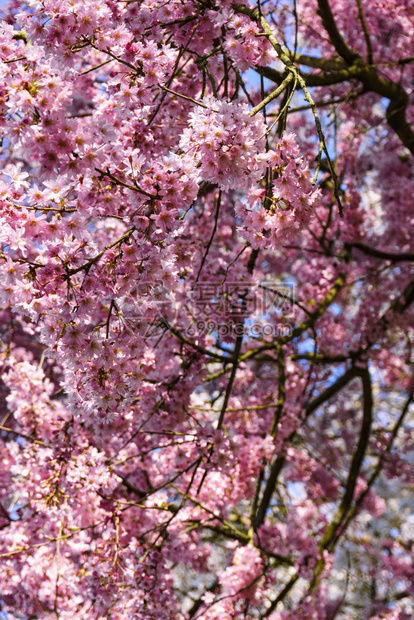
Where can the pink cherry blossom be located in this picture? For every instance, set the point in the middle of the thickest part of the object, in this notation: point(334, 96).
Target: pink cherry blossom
point(206, 323)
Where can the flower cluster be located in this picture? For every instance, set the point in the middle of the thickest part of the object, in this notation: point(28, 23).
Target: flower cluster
point(160, 457)
point(272, 218)
point(226, 144)
point(242, 576)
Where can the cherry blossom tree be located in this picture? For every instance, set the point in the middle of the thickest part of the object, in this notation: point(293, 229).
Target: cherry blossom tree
point(206, 322)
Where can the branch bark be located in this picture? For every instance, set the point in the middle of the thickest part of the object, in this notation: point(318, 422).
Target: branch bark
point(350, 66)
point(279, 461)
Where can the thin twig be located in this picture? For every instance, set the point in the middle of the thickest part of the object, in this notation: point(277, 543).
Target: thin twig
point(210, 241)
point(273, 95)
point(173, 92)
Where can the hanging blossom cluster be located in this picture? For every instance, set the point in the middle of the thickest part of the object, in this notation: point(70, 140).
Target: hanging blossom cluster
point(229, 149)
point(272, 218)
point(245, 45)
point(244, 573)
point(133, 256)
point(227, 146)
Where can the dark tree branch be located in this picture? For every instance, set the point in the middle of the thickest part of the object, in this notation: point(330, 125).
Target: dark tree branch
point(281, 595)
point(279, 461)
point(328, 539)
point(330, 26)
point(352, 66)
point(370, 56)
point(395, 257)
point(372, 479)
point(326, 64)
point(396, 111)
